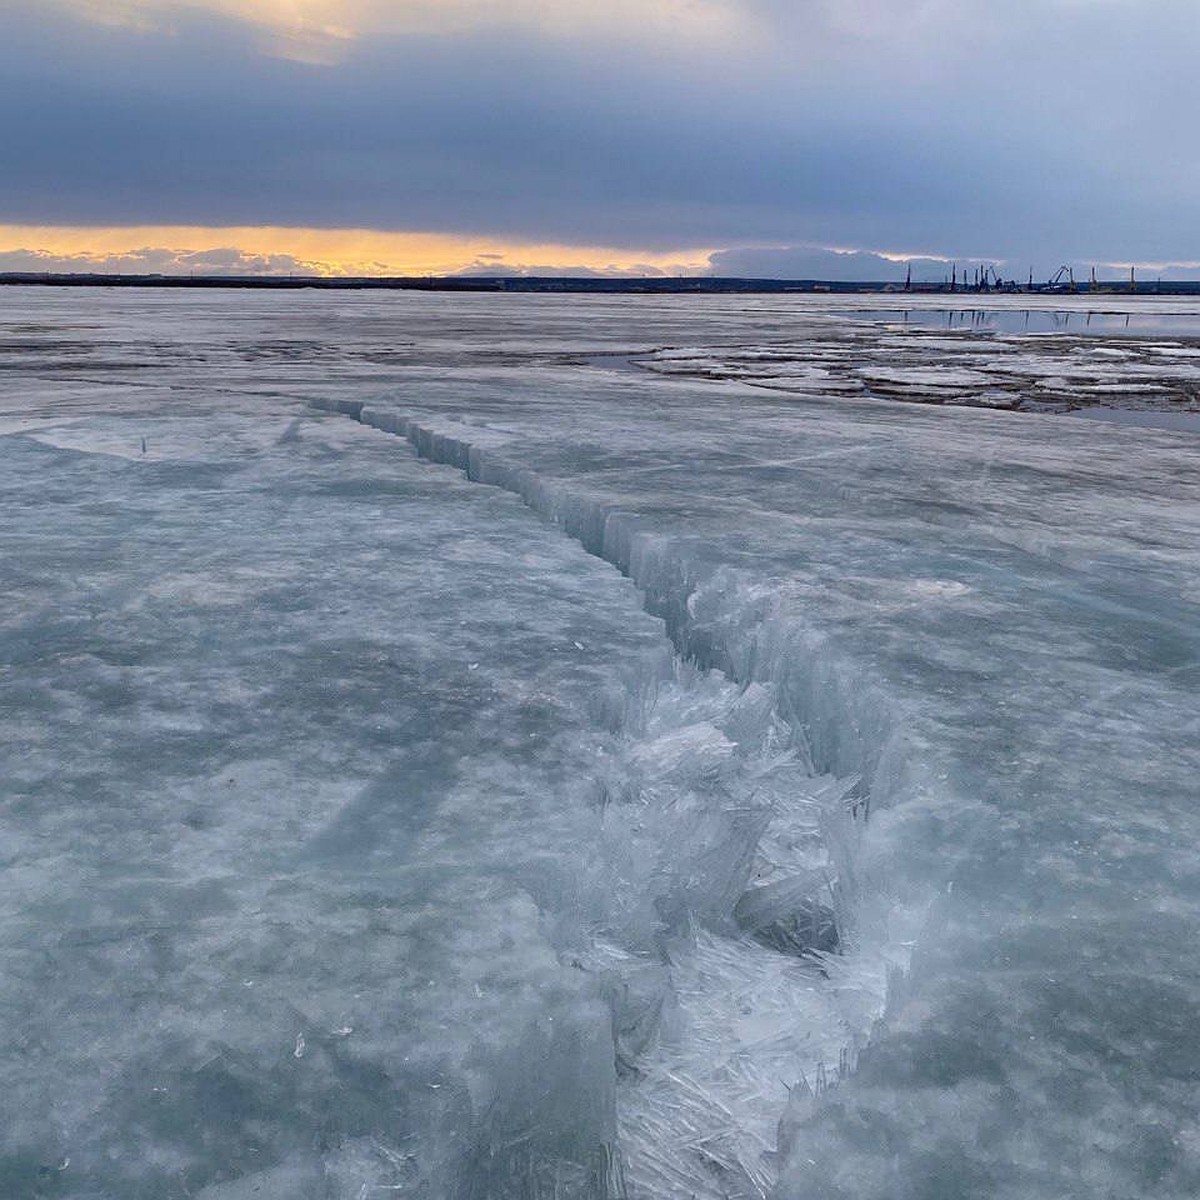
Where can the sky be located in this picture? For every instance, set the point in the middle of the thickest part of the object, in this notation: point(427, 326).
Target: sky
point(786, 138)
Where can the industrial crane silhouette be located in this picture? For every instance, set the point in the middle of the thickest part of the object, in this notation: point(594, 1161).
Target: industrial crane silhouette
point(1056, 278)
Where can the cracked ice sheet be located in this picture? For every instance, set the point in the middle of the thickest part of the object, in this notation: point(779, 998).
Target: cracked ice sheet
point(1024, 716)
point(320, 768)
point(1041, 686)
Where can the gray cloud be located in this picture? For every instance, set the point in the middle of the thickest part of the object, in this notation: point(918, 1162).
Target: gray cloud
point(814, 262)
point(156, 261)
point(950, 129)
point(489, 266)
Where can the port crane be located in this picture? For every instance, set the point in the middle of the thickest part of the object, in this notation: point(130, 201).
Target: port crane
point(987, 279)
point(1056, 278)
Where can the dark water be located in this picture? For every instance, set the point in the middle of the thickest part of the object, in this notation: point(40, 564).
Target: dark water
point(1032, 320)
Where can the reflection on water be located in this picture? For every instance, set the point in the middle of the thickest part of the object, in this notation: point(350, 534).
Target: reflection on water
point(1180, 422)
point(1035, 320)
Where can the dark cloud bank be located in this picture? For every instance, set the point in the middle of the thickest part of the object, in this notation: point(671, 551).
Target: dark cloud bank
point(1034, 132)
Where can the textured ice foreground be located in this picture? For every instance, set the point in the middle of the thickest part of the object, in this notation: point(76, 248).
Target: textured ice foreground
point(366, 836)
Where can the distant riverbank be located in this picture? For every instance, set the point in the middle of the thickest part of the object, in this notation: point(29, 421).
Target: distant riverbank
point(657, 285)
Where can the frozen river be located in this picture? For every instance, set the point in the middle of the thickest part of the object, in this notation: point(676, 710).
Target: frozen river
point(521, 746)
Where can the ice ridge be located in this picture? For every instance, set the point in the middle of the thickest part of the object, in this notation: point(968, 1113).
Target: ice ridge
point(820, 890)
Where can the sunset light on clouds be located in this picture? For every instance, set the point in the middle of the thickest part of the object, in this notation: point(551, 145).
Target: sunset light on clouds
point(265, 250)
point(324, 31)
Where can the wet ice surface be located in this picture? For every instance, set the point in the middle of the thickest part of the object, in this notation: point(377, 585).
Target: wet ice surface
point(1065, 355)
point(366, 835)
point(1185, 422)
point(1007, 316)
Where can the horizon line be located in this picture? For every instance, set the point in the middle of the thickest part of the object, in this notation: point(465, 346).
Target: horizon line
point(584, 282)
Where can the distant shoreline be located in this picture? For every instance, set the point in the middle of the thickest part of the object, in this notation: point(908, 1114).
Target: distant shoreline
point(604, 285)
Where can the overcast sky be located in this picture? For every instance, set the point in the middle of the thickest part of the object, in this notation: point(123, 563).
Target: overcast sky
point(741, 136)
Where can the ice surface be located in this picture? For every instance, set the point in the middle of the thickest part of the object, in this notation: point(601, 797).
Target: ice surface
point(366, 835)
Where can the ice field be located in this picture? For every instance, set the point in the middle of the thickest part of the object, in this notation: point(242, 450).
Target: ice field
point(531, 746)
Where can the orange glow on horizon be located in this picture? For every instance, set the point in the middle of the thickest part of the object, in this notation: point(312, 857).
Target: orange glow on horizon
point(175, 249)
